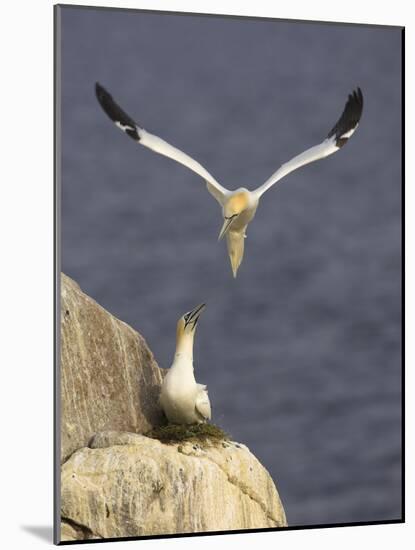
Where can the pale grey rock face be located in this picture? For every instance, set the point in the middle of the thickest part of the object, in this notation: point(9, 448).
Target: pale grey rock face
point(116, 482)
point(130, 485)
point(109, 378)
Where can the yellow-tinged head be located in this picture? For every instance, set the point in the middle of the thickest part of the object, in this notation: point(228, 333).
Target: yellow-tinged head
point(186, 325)
point(236, 204)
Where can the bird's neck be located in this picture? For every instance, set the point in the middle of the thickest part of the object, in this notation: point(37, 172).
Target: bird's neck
point(184, 347)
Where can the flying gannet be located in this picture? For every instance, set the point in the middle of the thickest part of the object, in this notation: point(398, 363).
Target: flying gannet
point(183, 400)
point(238, 206)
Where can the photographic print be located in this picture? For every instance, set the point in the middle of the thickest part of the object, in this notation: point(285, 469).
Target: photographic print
point(229, 267)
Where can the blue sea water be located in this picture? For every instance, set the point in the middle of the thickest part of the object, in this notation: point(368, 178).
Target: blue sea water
point(302, 353)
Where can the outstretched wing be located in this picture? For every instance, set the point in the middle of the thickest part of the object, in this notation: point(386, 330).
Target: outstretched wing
point(202, 404)
point(337, 137)
point(137, 133)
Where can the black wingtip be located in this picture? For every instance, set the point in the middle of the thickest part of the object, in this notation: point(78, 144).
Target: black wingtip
point(115, 113)
point(360, 93)
point(101, 92)
point(358, 97)
point(349, 119)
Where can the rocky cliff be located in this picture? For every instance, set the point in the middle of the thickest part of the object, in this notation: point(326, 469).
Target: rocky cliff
point(115, 481)
point(109, 378)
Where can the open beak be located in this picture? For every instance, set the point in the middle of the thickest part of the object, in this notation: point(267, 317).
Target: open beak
point(194, 315)
point(226, 226)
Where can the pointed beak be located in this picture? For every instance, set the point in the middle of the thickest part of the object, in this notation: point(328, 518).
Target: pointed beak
point(194, 315)
point(226, 226)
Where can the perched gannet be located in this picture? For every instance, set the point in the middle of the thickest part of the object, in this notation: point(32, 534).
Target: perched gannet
point(239, 206)
point(183, 400)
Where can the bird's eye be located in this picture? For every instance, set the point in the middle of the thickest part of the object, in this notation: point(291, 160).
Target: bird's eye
point(186, 317)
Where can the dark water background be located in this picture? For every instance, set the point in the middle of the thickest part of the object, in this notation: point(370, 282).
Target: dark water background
point(301, 353)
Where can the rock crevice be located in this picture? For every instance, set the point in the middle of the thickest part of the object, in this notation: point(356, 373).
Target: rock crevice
point(75, 531)
point(243, 487)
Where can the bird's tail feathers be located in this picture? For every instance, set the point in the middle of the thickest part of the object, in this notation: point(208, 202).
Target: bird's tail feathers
point(236, 243)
